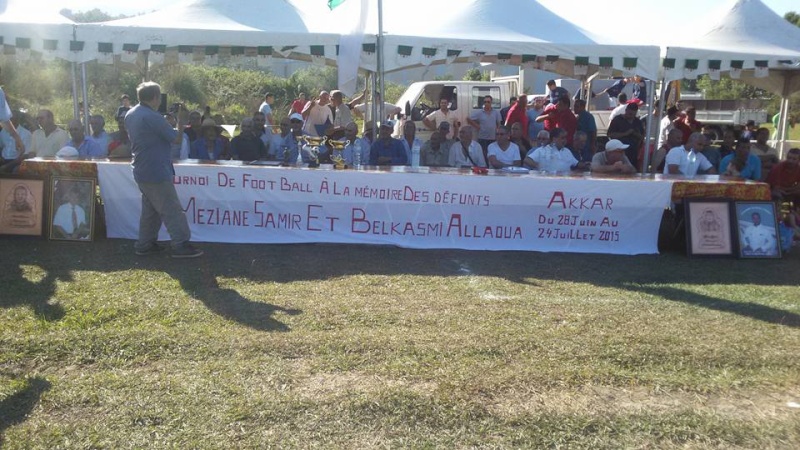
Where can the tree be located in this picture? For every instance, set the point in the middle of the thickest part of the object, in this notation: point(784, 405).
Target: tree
point(792, 17)
point(93, 15)
point(475, 74)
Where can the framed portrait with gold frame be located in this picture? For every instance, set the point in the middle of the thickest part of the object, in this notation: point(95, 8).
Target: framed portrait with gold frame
point(23, 205)
point(72, 203)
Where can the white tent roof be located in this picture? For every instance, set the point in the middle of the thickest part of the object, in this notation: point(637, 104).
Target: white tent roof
point(748, 31)
point(246, 23)
point(516, 27)
point(35, 23)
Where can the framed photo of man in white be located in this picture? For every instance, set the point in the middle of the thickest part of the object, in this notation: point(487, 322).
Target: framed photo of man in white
point(72, 209)
point(757, 226)
point(22, 206)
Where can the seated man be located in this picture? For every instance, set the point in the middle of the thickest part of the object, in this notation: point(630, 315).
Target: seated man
point(410, 139)
point(210, 145)
point(434, 153)
point(688, 159)
point(578, 149)
point(784, 178)
point(503, 152)
point(355, 144)
point(542, 140)
point(766, 153)
point(674, 139)
point(49, 139)
point(119, 146)
point(87, 148)
point(555, 157)
point(741, 163)
point(711, 153)
point(518, 137)
point(613, 159)
point(466, 151)
point(386, 150)
point(247, 146)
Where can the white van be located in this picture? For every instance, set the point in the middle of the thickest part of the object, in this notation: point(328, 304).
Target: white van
point(422, 98)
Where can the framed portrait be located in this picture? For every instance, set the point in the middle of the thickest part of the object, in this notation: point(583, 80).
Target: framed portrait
point(709, 228)
point(72, 209)
point(23, 205)
point(757, 225)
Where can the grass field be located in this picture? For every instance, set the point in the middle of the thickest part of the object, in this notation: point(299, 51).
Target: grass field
point(328, 346)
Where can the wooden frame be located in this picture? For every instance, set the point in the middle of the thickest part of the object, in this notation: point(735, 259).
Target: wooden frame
point(72, 195)
point(709, 228)
point(758, 234)
point(23, 205)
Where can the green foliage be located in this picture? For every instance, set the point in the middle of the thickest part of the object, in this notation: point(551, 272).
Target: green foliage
point(792, 17)
point(93, 15)
point(476, 74)
point(728, 89)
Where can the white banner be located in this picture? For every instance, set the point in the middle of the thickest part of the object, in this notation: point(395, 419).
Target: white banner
point(246, 204)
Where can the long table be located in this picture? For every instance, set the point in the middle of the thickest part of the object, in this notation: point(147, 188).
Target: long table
point(416, 208)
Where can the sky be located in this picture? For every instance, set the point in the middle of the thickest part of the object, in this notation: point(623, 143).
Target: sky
point(648, 20)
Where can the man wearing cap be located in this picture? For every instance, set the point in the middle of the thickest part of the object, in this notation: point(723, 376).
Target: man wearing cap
point(688, 159)
point(556, 92)
point(613, 159)
point(151, 142)
point(86, 147)
point(441, 115)
point(386, 150)
point(289, 149)
point(49, 139)
point(628, 129)
point(741, 163)
point(317, 115)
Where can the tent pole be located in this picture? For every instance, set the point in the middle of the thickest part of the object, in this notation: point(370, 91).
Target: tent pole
point(75, 111)
point(651, 98)
point(783, 120)
point(85, 101)
point(380, 60)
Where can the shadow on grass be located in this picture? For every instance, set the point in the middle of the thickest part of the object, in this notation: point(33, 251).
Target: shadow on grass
point(15, 408)
point(319, 262)
point(227, 303)
point(753, 310)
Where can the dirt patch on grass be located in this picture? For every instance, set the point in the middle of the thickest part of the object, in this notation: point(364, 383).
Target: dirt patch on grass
point(636, 400)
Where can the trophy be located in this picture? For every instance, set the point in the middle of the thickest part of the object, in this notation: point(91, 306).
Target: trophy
point(337, 151)
point(313, 143)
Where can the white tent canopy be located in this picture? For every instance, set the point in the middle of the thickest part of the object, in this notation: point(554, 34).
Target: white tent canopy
point(197, 23)
point(757, 40)
point(748, 31)
point(27, 27)
point(517, 28)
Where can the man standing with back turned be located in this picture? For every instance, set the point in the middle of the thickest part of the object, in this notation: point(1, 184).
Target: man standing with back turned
point(151, 138)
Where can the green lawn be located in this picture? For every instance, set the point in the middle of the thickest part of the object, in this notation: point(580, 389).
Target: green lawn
point(333, 346)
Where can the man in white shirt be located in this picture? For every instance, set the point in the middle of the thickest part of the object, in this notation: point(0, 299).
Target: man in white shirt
point(688, 159)
point(465, 151)
point(503, 152)
point(49, 139)
point(759, 239)
point(266, 109)
point(317, 115)
point(443, 114)
point(555, 157)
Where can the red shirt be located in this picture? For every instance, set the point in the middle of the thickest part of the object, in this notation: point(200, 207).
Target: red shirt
point(517, 114)
point(298, 105)
point(784, 175)
point(564, 119)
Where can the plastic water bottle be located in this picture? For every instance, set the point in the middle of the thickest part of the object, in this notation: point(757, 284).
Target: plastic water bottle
point(357, 154)
point(415, 154)
point(692, 168)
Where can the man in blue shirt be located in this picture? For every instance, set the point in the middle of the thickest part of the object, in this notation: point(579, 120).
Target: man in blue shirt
point(87, 148)
point(385, 150)
point(741, 163)
point(151, 139)
point(5, 122)
point(556, 92)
